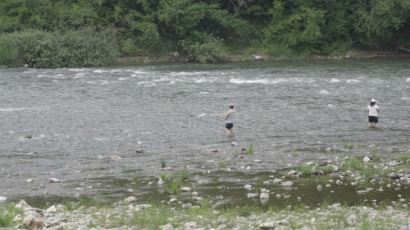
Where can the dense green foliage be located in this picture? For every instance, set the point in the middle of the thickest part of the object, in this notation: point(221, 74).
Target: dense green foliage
point(202, 31)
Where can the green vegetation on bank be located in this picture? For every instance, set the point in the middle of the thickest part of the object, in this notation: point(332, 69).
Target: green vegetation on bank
point(7, 214)
point(61, 33)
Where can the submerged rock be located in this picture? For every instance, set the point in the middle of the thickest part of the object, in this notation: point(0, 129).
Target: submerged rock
point(54, 180)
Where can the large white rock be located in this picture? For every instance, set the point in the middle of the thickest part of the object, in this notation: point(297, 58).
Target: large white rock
point(264, 196)
point(130, 199)
point(366, 159)
point(186, 189)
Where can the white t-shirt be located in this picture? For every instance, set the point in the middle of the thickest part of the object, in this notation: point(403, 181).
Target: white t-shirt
point(373, 110)
point(230, 116)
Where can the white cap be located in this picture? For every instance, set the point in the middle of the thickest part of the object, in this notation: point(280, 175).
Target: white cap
point(373, 100)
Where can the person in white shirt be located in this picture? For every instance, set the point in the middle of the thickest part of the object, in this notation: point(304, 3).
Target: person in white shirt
point(229, 119)
point(373, 113)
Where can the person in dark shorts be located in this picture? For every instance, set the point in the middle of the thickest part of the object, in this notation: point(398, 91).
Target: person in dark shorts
point(373, 113)
point(229, 119)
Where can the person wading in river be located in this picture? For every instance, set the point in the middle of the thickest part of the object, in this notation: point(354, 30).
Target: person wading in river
point(373, 113)
point(229, 118)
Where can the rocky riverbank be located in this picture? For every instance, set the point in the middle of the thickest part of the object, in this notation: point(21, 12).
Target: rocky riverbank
point(380, 201)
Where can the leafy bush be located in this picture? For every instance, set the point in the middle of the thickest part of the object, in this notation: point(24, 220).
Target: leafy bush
point(68, 49)
point(208, 50)
point(8, 51)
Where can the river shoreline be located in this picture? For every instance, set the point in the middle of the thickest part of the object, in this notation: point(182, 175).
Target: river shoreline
point(256, 55)
point(192, 208)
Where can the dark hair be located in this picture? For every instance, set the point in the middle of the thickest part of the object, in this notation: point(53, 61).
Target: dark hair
point(372, 103)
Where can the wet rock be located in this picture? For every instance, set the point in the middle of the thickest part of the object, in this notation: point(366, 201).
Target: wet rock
point(214, 150)
point(248, 187)
point(139, 151)
point(28, 136)
point(197, 198)
point(252, 195)
point(267, 226)
point(287, 183)
point(319, 187)
point(277, 180)
point(130, 199)
point(186, 189)
point(53, 180)
point(160, 181)
point(3, 199)
point(29, 180)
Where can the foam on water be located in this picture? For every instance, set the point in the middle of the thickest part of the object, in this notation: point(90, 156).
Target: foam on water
point(353, 81)
point(269, 81)
point(17, 109)
point(408, 79)
point(325, 92)
point(334, 80)
point(147, 83)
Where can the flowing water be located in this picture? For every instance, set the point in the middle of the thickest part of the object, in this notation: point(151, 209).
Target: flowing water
point(91, 127)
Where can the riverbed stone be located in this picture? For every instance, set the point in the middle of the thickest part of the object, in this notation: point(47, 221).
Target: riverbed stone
point(248, 187)
point(130, 199)
point(319, 187)
point(3, 199)
point(287, 183)
point(268, 226)
point(186, 189)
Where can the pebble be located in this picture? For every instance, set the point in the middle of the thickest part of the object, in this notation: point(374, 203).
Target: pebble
point(186, 189)
point(248, 187)
point(319, 187)
point(29, 180)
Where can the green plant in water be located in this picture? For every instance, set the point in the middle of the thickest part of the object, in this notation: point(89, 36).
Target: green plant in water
point(249, 150)
point(174, 182)
point(221, 164)
point(348, 146)
point(163, 164)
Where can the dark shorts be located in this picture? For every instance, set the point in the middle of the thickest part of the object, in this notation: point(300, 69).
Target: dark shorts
point(228, 125)
point(373, 119)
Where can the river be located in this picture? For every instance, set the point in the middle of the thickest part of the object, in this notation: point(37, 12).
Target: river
point(87, 126)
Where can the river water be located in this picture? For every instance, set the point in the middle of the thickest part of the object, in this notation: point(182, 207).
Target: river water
point(84, 126)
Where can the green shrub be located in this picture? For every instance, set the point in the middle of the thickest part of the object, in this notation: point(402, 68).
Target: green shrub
point(207, 50)
point(41, 49)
